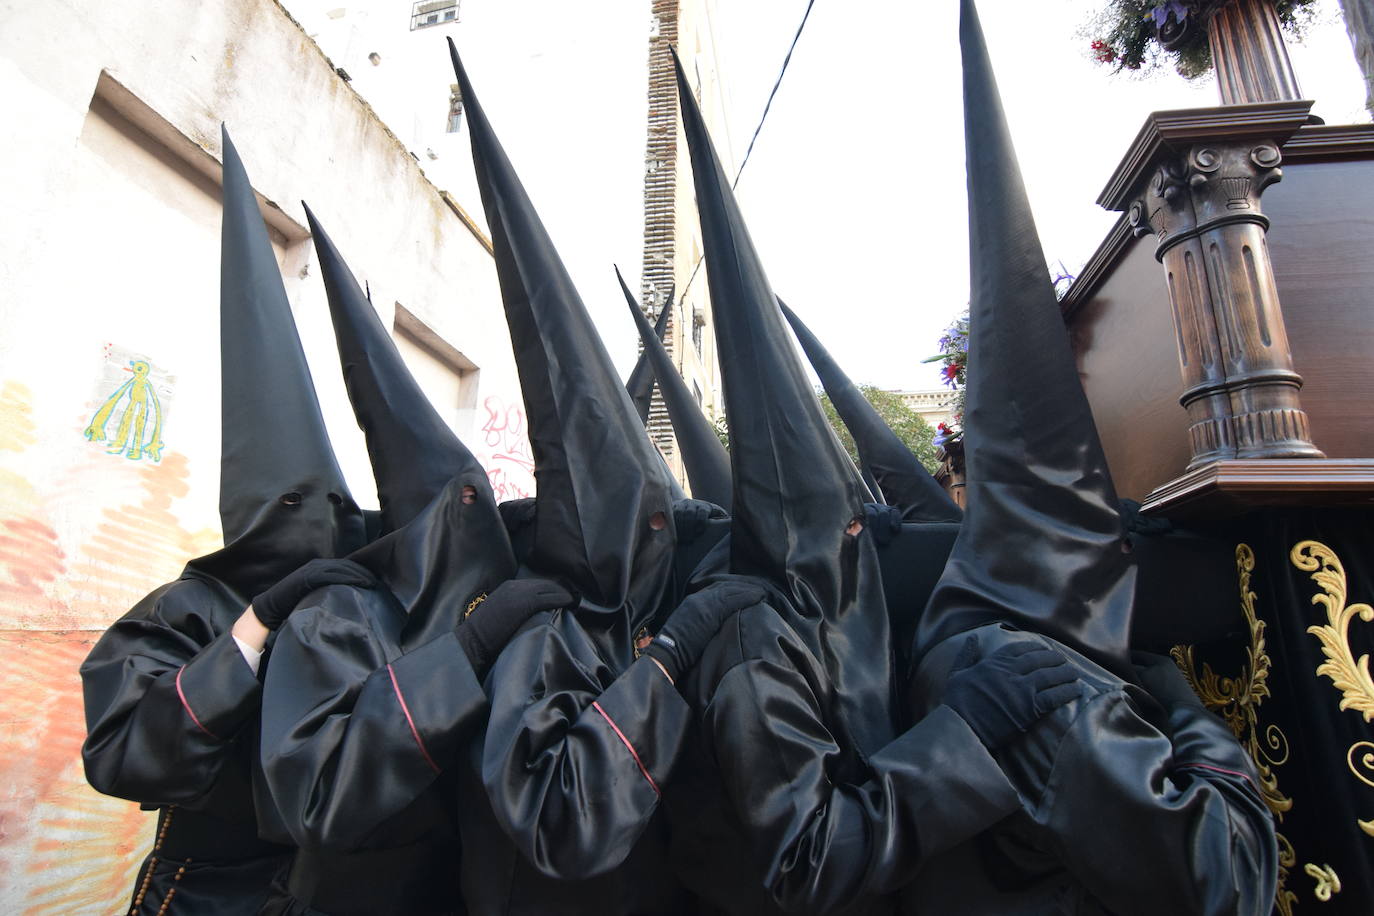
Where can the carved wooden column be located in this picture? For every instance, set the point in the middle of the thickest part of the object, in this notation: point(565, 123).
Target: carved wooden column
point(1194, 179)
point(1249, 55)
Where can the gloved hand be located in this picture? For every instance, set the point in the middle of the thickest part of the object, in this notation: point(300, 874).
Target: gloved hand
point(273, 606)
point(1162, 679)
point(678, 644)
point(484, 632)
point(883, 522)
point(690, 517)
point(1002, 695)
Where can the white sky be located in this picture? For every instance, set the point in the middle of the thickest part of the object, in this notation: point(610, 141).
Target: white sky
point(855, 191)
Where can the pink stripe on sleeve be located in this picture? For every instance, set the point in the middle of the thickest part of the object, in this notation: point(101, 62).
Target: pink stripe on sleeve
point(639, 763)
point(1207, 766)
point(187, 706)
point(409, 721)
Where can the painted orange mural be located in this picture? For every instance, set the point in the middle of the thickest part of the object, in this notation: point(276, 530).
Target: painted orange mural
point(65, 849)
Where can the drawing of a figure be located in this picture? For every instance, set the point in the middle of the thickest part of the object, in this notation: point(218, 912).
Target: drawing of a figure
point(139, 402)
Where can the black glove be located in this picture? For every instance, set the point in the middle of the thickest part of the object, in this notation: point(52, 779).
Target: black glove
point(1162, 680)
point(484, 632)
point(680, 641)
point(273, 606)
point(883, 522)
point(690, 517)
point(1005, 693)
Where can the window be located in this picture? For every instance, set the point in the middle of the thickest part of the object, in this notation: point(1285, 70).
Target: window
point(698, 322)
point(455, 108)
point(426, 13)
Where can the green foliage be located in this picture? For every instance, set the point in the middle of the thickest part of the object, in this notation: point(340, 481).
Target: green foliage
point(1144, 35)
point(722, 428)
point(915, 433)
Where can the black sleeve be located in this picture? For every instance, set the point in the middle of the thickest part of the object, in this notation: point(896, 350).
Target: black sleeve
point(574, 758)
point(165, 696)
point(1194, 834)
point(823, 843)
point(350, 736)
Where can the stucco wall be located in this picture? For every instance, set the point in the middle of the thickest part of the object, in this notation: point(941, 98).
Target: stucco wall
point(109, 252)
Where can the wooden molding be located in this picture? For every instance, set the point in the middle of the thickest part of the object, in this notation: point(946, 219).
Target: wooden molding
point(1327, 142)
point(1099, 267)
point(1232, 486)
point(1169, 131)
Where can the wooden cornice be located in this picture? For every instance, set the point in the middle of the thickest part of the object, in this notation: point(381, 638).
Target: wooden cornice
point(1098, 268)
point(1230, 487)
point(1326, 142)
point(1169, 131)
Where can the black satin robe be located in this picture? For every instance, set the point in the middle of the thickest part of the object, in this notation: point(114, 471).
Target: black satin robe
point(1128, 807)
point(359, 743)
point(171, 716)
point(577, 751)
point(773, 812)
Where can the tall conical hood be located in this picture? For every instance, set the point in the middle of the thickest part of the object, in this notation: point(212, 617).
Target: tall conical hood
point(283, 499)
point(795, 490)
point(413, 452)
point(640, 384)
point(603, 521)
point(706, 461)
point(903, 480)
point(1042, 543)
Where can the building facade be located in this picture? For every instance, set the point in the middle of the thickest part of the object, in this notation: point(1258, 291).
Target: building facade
point(110, 260)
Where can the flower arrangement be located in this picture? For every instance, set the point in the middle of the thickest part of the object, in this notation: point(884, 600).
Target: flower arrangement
point(1144, 35)
point(954, 354)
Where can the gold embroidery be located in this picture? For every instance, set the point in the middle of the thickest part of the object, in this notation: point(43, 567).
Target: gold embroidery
point(1351, 677)
point(1237, 700)
point(473, 605)
point(1328, 882)
point(1348, 674)
point(1284, 898)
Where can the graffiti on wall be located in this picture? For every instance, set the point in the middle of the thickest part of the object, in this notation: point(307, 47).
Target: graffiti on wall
point(510, 465)
point(64, 849)
point(131, 417)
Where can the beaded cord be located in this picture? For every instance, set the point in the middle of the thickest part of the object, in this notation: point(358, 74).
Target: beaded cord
point(152, 864)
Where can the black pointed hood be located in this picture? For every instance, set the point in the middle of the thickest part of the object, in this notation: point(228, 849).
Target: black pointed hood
point(640, 384)
point(413, 452)
point(706, 461)
point(795, 490)
point(443, 542)
point(601, 486)
point(283, 499)
point(1042, 543)
point(902, 479)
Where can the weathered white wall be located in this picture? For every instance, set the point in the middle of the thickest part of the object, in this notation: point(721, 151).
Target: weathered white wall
point(109, 252)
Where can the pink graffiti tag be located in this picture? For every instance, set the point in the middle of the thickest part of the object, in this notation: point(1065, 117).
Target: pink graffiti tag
point(511, 462)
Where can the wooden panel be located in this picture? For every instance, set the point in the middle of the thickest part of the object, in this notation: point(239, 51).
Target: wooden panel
point(1127, 359)
point(1322, 246)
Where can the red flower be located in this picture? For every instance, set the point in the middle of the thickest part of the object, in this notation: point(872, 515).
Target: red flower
point(1103, 52)
point(950, 372)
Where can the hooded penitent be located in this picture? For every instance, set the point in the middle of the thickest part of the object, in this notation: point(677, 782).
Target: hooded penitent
point(171, 706)
point(438, 551)
point(640, 384)
point(1042, 544)
point(904, 481)
point(283, 499)
point(706, 461)
point(600, 482)
point(795, 489)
